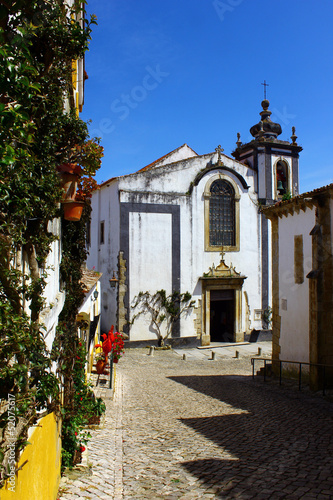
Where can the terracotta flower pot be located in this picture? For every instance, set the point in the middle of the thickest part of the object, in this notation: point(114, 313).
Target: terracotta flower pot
point(100, 366)
point(115, 359)
point(69, 168)
point(73, 210)
point(69, 185)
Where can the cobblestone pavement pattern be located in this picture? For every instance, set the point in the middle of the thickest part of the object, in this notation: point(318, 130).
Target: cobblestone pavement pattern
point(200, 429)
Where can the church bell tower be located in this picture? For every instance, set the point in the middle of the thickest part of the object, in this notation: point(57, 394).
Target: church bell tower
point(275, 161)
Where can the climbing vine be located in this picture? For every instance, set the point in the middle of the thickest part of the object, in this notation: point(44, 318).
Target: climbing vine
point(162, 309)
point(39, 129)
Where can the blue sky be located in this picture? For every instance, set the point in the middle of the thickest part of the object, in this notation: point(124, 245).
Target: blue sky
point(162, 74)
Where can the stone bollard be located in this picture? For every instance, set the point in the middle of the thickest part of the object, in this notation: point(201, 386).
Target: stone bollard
point(184, 357)
point(237, 354)
point(213, 355)
point(151, 351)
point(259, 351)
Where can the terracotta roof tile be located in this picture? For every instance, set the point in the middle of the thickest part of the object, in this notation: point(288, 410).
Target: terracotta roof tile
point(89, 279)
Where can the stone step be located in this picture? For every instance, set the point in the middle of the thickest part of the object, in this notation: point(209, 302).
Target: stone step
point(269, 370)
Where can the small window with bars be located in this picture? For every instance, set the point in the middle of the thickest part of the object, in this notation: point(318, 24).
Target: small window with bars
point(221, 214)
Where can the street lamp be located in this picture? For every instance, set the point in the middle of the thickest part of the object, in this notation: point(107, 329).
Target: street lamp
point(113, 281)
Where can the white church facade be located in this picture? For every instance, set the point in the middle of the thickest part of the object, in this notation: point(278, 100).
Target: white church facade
point(190, 222)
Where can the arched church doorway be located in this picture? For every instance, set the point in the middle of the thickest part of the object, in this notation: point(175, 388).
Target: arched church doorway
point(222, 305)
point(222, 315)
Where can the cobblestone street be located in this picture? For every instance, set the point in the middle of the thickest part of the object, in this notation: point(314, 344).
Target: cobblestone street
point(202, 428)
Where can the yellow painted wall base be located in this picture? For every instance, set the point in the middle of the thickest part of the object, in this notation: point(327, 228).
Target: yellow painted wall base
point(39, 478)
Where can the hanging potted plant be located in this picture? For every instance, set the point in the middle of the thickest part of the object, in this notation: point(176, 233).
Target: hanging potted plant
point(69, 176)
point(73, 207)
point(81, 161)
point(73, 210)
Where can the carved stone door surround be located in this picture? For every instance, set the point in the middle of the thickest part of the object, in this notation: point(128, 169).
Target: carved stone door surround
point(222, 278)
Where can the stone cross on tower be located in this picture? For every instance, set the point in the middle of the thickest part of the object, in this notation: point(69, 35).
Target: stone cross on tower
point(265, 85)
point(219, 151)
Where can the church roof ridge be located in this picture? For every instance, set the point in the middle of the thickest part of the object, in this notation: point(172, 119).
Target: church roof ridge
point(168, 164)
point(144, 169)
point(147, 167)
point(185, 159)
point(150, 165)
point(206, 155)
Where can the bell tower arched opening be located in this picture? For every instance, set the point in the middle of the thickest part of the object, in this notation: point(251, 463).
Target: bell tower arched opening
point(282, 179)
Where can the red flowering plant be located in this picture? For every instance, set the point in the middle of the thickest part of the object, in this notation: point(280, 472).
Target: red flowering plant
point(85, 188)
point(118, 346)
point(112, 342)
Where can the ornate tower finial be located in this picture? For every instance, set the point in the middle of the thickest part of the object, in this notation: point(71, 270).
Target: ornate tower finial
point(265, 129)
point(238, 142)
point(293, 137)
point(265, 92)
point(219, 151)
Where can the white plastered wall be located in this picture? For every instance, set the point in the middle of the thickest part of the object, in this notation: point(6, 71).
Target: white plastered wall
point(293, 297)
point(150, 240)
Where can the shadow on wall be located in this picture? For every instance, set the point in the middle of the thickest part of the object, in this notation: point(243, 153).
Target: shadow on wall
point(267, 436)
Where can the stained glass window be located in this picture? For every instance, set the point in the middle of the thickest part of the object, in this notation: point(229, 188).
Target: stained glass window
point(222, 214)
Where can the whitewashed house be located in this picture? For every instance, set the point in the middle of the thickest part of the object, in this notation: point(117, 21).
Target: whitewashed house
point(302, 262)
point(190, 222)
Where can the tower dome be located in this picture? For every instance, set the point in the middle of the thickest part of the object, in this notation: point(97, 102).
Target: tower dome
point(266, 128)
